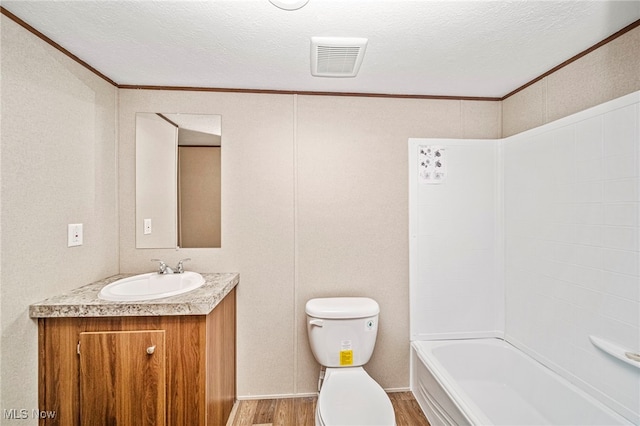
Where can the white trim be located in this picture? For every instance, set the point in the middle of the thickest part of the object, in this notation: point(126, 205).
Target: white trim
point(276, 396)
point(305, 395)
point(395, 390)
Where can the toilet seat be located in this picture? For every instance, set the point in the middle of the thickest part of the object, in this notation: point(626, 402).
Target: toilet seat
point(349, 396)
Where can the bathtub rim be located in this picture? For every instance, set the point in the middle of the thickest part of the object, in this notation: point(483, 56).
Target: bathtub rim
point(472, 413)
point(469, 409)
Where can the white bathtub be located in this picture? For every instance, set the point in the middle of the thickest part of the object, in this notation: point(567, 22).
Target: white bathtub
point(489, 382)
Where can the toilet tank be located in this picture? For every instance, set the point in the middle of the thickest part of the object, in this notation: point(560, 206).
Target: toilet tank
point(342, 330)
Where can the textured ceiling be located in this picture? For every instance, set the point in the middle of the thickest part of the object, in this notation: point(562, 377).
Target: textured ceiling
point(449, 48)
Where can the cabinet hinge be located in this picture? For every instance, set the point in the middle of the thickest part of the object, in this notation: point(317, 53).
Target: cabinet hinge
point(78, 348)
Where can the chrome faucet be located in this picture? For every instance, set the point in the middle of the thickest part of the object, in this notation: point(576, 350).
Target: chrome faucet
point(180, 268)
point(164, 269)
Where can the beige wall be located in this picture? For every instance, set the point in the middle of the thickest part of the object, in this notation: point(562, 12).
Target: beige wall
point(257, 221)
point(314, 203)
point(607, 73)
point(352, 212)
point(58, 167)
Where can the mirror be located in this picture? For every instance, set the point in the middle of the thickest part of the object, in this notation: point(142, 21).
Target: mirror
point(178, 180)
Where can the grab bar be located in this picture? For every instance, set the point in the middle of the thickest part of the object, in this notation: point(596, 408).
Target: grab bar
point(624, 355)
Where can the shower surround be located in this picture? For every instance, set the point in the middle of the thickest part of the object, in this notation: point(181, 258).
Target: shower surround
point(551, 240)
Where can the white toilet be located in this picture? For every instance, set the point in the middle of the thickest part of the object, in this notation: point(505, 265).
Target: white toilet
point(342, 334)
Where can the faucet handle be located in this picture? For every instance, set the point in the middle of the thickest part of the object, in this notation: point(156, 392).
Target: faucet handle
point(162, 268)
point(180, 267)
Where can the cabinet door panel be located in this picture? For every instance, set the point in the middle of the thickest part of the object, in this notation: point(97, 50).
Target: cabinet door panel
point(120, 382)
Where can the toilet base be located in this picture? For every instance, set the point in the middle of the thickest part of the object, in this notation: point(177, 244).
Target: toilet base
point(349, 396)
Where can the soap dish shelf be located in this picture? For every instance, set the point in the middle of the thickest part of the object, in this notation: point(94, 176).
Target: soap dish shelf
point(624, 355)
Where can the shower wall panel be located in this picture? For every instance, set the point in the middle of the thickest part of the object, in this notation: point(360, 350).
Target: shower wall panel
point(455, 239)
point(572, 241)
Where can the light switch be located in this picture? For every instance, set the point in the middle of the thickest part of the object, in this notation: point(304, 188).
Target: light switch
point(147, 227)
point(74, 234)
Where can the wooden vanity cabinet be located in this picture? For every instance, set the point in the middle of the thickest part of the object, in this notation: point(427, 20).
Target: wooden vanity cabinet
point(111, 363)
point(96, 371)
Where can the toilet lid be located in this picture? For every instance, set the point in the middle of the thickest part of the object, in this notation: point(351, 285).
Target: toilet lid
point(349, 396)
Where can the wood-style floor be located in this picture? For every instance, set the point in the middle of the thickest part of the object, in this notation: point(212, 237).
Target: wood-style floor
point(301, 411)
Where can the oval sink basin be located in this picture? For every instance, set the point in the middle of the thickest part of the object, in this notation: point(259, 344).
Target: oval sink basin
point(151, 286)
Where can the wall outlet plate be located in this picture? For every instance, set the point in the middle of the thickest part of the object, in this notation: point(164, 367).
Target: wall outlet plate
point(147, 227)
point(74, 234)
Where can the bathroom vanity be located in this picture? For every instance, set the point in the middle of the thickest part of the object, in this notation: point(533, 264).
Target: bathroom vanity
point(167, 361)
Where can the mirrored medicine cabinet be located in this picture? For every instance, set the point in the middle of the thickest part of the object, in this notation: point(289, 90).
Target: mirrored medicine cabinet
point(178, 180)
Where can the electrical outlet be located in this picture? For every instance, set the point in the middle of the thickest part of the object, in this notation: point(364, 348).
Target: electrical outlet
point(74, 234)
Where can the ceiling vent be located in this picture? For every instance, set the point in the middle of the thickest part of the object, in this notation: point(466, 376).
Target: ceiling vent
point(336, 56)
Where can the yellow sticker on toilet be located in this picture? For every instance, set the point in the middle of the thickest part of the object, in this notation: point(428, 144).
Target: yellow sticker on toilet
point(346, 357)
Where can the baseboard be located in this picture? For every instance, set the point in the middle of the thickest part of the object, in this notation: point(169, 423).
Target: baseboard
point(276, 396)
point(394, 390)
point(232, 414)
point(303, 395)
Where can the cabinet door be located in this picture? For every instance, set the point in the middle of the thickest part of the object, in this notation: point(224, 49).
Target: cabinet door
point(122, 378)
